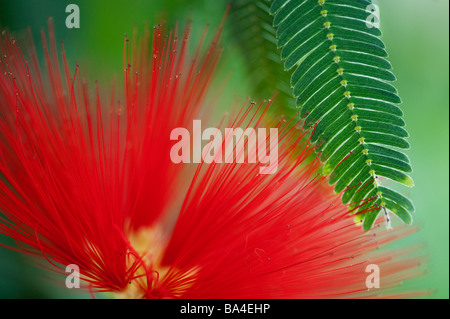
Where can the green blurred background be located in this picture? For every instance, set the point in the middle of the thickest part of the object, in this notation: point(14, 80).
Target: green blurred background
point(416, 33)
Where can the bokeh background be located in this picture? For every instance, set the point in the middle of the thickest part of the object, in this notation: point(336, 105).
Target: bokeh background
point(416, 34)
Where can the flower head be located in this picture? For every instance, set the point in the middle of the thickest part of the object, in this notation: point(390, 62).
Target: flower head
point(88, 180)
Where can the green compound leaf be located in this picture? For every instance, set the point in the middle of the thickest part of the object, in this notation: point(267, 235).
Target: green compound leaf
point(342, 84)
point(255, 36)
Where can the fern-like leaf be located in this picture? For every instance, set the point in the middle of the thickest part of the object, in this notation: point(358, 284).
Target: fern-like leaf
point(256, 38)
point(341, 80)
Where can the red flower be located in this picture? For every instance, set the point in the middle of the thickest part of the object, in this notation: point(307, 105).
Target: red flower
point(87, 180)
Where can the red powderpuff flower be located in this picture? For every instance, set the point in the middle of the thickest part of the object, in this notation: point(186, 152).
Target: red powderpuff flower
point(89, 181)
